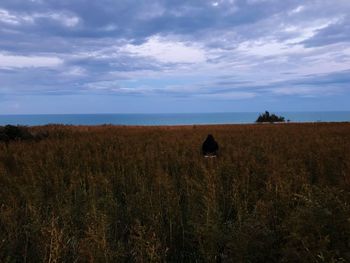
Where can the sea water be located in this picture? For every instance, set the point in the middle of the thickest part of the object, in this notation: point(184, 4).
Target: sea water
point(168, 119)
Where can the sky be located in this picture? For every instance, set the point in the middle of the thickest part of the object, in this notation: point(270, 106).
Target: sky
point(162, 56)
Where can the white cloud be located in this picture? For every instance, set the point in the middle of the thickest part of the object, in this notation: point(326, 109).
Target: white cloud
point(306, 91)
point(297, 10)
point(109, 27)
point(221, 2)
point(273, 47)
point(13, 19)
point(251, 2)
point(190, 50)
point(167, 51)
point(8, 18)
point(64, 19)
point(233, 95)
point(307, 31)
point(268, 48)
point(16, 61)
point(75, 71)
point(67, 20)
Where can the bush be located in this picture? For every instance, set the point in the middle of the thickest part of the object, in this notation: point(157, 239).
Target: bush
point(12, 133)
point(267, 117)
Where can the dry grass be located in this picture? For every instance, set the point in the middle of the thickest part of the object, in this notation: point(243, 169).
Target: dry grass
point(276, 193)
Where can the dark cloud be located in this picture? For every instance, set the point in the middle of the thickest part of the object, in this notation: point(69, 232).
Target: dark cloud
point(334, 33)
point(342, 77)
point(179, 48)
point(137, 20)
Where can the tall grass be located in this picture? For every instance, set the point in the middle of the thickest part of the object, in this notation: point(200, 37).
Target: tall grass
point(276, 193)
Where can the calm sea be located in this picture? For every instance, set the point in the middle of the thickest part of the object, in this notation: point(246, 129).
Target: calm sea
point(168, 119)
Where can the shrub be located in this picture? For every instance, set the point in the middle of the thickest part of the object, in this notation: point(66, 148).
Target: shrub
point(267, 117)
point(11, 132)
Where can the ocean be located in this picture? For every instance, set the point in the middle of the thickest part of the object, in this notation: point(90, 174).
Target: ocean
point(168, 119)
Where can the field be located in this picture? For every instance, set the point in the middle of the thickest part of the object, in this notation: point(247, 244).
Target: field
point(275, 193)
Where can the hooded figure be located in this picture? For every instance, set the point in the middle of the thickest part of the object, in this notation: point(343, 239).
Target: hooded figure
point(210, 147)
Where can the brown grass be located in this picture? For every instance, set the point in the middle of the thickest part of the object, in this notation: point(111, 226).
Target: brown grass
point(276, 193)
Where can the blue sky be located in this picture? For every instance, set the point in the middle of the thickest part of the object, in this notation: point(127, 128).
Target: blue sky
point(150, 56)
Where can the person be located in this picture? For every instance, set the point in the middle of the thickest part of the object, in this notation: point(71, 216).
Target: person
point(210, 147)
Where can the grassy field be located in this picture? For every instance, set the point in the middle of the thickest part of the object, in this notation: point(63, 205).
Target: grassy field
point(276, 193)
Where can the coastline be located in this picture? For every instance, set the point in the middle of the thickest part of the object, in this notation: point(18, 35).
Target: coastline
point(169, 126)
point(223, 118)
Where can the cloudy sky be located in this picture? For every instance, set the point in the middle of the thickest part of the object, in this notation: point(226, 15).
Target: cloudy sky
point(143, 56)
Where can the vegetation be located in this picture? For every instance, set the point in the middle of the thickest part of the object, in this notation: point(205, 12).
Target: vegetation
point(13, 133)
point(146, 194)
point(267, 117)
point(10, 132)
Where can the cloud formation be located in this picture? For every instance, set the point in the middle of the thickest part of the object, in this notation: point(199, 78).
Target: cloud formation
point(220, 50)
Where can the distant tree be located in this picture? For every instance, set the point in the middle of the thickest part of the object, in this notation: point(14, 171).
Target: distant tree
point(267, 117)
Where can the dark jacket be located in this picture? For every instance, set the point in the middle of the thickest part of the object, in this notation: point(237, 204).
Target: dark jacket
point(210, 146)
